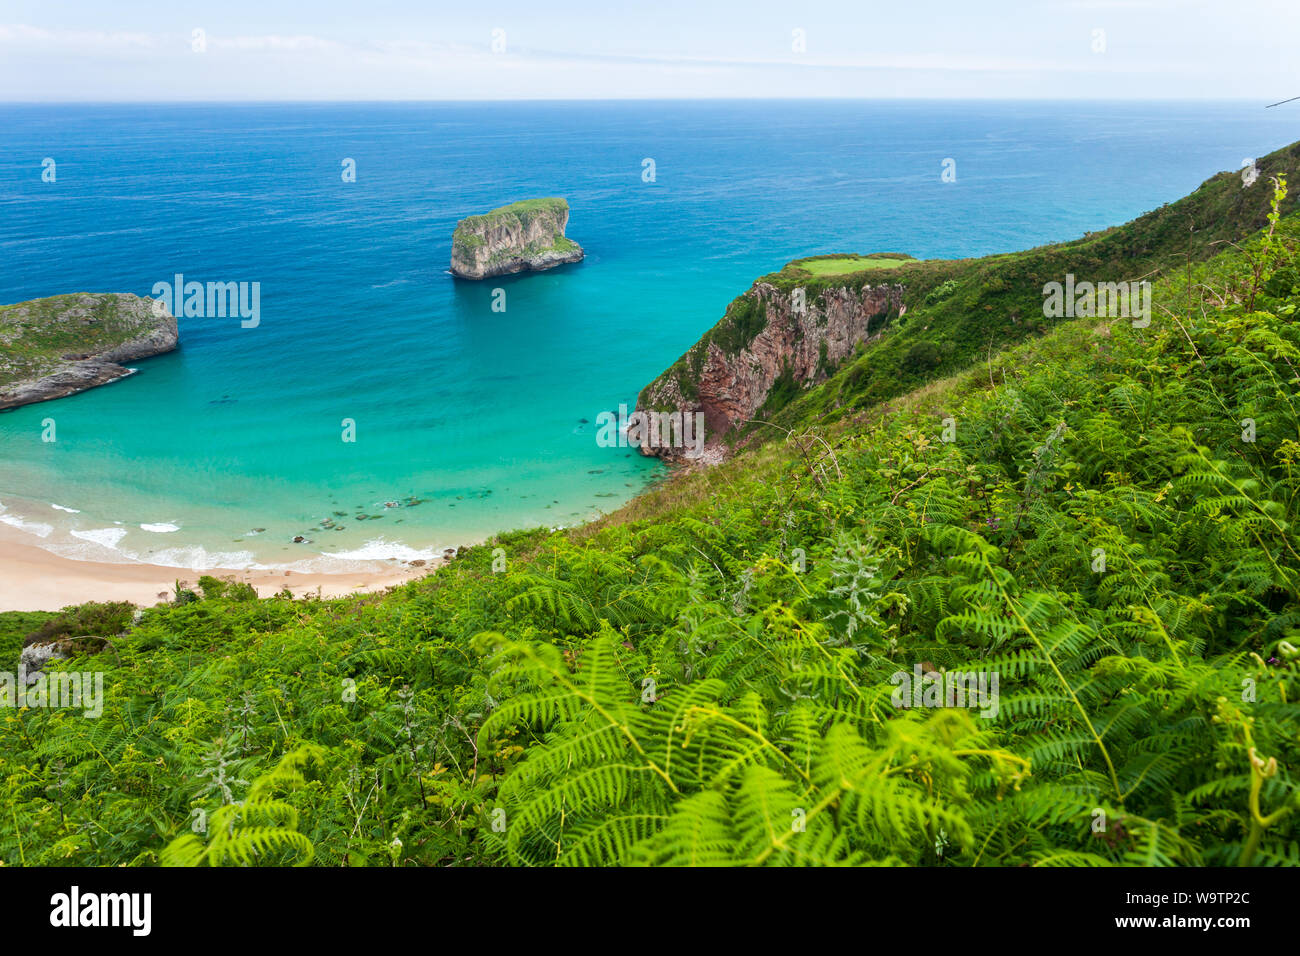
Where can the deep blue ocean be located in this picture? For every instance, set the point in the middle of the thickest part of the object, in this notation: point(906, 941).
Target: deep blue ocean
point(478, 415)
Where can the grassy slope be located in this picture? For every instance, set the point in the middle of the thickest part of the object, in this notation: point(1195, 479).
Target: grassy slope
point(768, 600)
point(14, 626)
point(818, 266)
point(961, 310)
point(523, 210)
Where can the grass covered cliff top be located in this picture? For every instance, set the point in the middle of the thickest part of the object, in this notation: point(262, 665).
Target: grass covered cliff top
point(42, 334)
point(1084, 515)
point(959, 310)
point(525, 210)
point(838, 265)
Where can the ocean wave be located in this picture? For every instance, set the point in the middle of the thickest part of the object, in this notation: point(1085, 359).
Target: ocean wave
point(38, 528)
point(105, 537)
point(120, 542)
point(198, 558)
point(381, 549)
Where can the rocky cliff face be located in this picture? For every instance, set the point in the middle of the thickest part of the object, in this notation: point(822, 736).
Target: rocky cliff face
point(65, 344)
point(527, 235)
point(766, 336)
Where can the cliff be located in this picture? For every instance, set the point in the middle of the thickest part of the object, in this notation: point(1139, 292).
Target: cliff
point(65, 344)
point(757, 361)
point(523, 236)
point(768, 343)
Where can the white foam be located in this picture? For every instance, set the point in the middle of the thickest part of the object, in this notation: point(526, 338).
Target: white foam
point(382, 550)
point(116, 541)
point(199, 558)
point(37, 528)
point(105, 537)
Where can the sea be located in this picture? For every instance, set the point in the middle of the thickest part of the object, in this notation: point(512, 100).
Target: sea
point(380, 410)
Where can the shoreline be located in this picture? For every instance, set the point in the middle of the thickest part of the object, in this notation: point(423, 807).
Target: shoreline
point(34, 579)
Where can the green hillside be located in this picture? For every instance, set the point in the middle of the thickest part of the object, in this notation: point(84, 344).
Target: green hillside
point(962, 310)
point(707, 676)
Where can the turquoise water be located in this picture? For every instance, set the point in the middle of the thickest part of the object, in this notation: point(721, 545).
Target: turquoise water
point(479, 414)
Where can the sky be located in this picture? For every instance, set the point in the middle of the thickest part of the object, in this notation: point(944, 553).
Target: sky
point(162, 50)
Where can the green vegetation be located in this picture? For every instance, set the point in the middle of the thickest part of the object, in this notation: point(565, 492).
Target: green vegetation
point(465, 243)
point(707, 676)
point(39, 336)
point(557, 244)
point(213, 587)
point(972, 308)
point(525, 212)
point(86, 620)
point(922, 357)
point(846, 265)
point(14, 627)
point(543, 220)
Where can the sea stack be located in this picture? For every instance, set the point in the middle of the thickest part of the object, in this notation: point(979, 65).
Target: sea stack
point(66, 344)
point(523, 236)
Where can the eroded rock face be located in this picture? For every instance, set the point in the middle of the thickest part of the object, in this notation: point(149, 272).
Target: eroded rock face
point(66, 344)
point(524, 236)
point(806, 343)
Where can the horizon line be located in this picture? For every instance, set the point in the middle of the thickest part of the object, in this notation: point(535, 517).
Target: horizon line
point(654, 99)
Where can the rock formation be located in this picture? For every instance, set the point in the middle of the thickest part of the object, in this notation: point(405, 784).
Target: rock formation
point(768, 335)
point(526, 235)
point(65, 344)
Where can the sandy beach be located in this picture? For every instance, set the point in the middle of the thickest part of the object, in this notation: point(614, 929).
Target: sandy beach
point(33, 579)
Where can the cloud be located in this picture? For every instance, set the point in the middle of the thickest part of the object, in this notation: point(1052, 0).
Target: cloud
point(29, 37)
point(1034, 62)
point(407, 53)
point(1121, 4)
point(278, 44)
